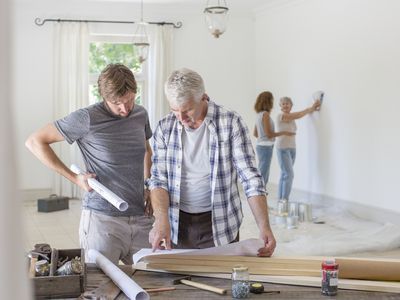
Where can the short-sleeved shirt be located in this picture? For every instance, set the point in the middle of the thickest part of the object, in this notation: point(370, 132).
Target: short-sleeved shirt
point(113, 148)
point(231, 157)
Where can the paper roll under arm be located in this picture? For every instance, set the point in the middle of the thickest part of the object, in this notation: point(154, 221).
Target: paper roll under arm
point(123, 281)
point(103, 191)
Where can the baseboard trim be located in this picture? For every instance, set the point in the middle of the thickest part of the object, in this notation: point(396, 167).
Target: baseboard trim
point(360, 210)
point(34, 194)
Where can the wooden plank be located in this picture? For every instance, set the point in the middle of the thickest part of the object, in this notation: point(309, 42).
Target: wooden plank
point(256, 261)
point(369, 269)
point(350, 268)
point(227, 269)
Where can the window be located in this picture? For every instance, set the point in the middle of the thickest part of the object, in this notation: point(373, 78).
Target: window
point(106, 49)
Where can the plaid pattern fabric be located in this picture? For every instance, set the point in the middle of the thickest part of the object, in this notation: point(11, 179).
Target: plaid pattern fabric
point(231, 156)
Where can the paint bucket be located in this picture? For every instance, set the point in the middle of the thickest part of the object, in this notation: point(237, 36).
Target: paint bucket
point(282, 207)
point(305, 212)
point(293, 209)
point(280, 220)
point(292, 222)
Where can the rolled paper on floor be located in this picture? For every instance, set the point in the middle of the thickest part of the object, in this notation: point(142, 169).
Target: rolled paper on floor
point(103, 191)
point(130, 288)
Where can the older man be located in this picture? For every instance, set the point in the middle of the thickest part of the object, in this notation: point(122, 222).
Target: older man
point(200, 150)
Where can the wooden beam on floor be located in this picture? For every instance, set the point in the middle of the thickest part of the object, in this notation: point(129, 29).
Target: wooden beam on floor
point(349, 267)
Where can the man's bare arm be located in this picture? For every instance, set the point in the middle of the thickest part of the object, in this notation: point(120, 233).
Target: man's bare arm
point(39, 144)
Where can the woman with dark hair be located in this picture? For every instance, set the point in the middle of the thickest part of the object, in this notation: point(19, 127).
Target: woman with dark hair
point(264, 131)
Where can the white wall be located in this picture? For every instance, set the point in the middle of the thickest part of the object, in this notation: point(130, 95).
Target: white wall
point(13, 275)
point(224, 63)
point(350, 49)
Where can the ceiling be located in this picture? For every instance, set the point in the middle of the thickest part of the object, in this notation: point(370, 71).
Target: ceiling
point(246, 5)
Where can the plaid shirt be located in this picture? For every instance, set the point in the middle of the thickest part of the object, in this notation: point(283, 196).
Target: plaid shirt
point(231, 155)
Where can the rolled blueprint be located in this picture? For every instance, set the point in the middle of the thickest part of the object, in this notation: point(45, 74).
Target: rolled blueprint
point(130, 288)
point(102, 190)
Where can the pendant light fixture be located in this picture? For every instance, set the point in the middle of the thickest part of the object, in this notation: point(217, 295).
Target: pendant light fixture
point(141, 40)
point(216, 14)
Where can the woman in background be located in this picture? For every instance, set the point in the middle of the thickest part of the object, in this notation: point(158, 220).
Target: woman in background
point(264, 131)
point(286, 145)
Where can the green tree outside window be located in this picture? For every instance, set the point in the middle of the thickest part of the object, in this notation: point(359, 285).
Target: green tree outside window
point(101, 54)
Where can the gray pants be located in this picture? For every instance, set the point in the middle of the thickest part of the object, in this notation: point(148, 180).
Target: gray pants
point(195, 231)
point(117, 238)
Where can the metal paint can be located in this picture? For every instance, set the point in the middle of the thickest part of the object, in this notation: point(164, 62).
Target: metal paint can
point(292, 222)
point(282, 207)
point(293, 209)
point(305, 212)
point(280, 220)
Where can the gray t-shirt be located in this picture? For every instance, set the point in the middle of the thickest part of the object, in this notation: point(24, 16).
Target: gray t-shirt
point(113, 148)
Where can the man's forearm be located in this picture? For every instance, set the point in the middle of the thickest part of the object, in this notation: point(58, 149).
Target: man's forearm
point(160, 203)
point(259, 208)
point(48, 157)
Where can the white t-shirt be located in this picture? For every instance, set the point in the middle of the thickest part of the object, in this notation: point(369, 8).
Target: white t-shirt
point(285, 141)
point(195, 174)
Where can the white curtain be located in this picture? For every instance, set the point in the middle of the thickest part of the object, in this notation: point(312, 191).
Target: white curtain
point(71, 42)
point(159, 68)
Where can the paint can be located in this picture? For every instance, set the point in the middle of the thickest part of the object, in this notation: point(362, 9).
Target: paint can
point(330, 277)
point(282, 207)
point(292, 222)
point(293, 209)
point(305, 212)
point(280, 221)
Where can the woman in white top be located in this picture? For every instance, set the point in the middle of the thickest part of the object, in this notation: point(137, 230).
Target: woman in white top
point(286, 145)
point(264, 131)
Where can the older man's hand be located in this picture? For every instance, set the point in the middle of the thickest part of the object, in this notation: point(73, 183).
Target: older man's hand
point(269, 243)
point(160, 235)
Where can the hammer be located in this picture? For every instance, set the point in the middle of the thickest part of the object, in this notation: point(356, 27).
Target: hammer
point(188, 281)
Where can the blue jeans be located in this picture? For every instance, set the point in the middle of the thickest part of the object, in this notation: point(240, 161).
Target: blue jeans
point(264, 154)
point(286, 158)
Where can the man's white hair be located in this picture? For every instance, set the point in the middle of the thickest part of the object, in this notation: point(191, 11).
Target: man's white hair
point(183, 85)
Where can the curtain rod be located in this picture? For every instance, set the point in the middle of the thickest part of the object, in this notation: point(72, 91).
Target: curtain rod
point(40, 22)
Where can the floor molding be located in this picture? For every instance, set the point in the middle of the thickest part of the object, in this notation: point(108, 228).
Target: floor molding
point(360, 210)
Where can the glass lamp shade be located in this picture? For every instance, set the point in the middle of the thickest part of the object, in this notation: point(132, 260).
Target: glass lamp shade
point(142, 51)
point(216, 19)
point(141, 42)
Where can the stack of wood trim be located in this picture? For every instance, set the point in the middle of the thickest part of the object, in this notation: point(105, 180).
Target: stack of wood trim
point(349, 268)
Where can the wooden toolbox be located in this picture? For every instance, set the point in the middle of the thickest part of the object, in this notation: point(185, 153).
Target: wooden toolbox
point(61, 286)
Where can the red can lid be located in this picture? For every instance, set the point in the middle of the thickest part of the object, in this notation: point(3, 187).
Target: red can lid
point(330, 265)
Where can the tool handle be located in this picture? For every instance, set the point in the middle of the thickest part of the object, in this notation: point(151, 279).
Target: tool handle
point(204, 286)
point(163, 289)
